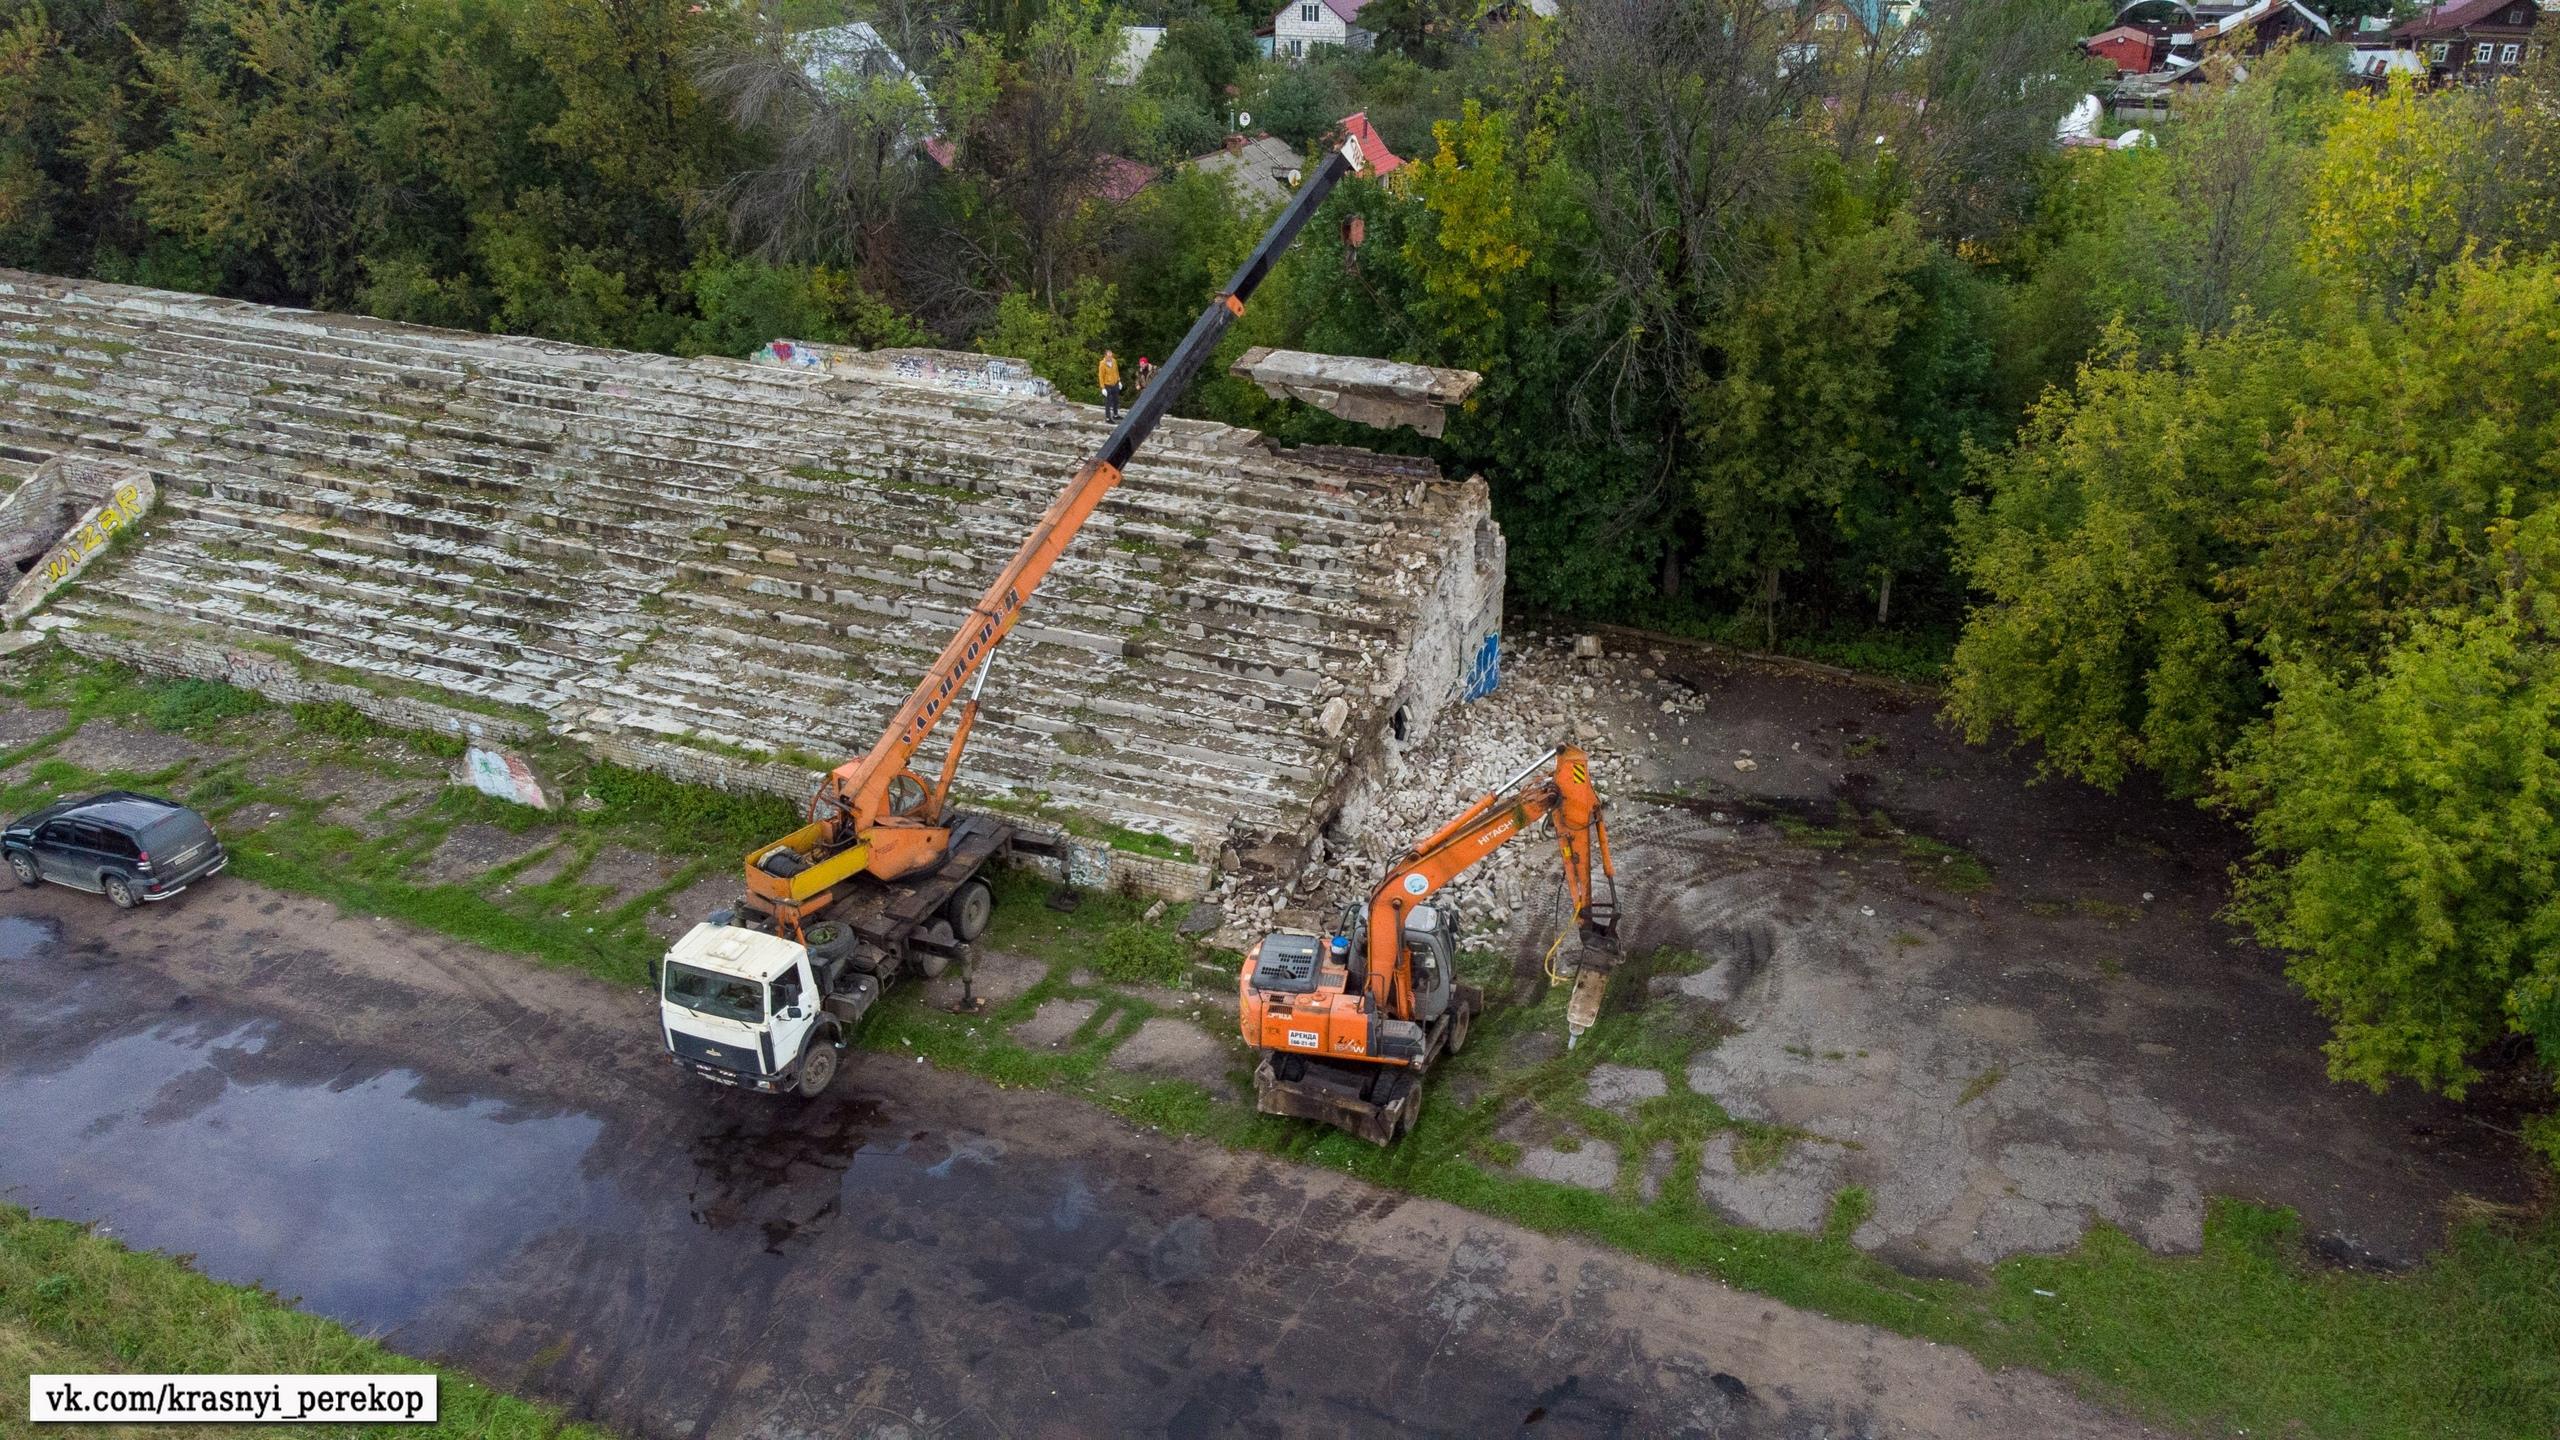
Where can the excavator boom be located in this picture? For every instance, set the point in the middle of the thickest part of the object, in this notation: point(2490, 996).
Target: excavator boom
point(1347, 1023)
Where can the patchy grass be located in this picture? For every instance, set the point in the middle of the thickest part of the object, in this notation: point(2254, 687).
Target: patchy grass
point(1143, 955)
point(75, 1302)
point(2250, 1334)
point(1980, 1085)
point(1947, 867)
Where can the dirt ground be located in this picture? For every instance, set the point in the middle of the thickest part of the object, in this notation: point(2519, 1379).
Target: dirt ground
point(492, 1165)
point(2001, 1058)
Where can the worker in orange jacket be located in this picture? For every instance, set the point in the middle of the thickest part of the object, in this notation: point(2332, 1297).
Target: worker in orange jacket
point(1107, 375)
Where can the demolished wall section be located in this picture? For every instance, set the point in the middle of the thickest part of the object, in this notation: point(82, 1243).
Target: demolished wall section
point(733, 571)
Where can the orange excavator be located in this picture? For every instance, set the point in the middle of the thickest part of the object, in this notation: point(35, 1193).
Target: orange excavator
point(1349, 1024)
point(884, 877)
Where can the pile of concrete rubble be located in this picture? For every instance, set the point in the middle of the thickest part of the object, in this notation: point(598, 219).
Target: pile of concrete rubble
point(1555, 689)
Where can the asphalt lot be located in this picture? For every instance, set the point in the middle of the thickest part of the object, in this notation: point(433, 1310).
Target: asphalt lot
point(490, 1164)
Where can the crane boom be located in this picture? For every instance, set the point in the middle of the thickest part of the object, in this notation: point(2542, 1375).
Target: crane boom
point(862, 819)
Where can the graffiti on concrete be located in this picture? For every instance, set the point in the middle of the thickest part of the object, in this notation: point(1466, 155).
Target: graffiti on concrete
point(257, 673)
point(1484, 672)
point(502, 776)
point(123, 507)
point(941, 369)
point(792, 352)
point(989, 374)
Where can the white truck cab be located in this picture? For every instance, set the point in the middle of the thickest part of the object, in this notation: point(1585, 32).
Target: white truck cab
point(744, 1008)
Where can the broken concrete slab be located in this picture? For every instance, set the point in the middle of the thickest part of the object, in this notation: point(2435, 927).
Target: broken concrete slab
point(1382, 393)
point(1181, 1050)
point(1593, 1167)
point(1792, 1194)
point(1619, 1089)
point(1054, 1023)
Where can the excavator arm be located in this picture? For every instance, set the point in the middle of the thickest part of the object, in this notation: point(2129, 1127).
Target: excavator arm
point(876, 814)
point(1344, 1034)
point(1582, 837)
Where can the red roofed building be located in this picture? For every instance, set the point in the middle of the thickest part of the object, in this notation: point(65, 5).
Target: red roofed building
point(1373, 147)
point(2133, 51)
point(1117, 177)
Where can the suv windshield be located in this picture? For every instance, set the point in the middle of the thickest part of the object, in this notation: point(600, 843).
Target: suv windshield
point(726, 996)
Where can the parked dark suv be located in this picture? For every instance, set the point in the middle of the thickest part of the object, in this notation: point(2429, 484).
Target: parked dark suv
point(132, 848)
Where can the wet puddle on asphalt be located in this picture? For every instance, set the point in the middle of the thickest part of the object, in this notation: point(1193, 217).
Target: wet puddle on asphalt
point(25, 939)
point(377, 1195)
point(364, 1199)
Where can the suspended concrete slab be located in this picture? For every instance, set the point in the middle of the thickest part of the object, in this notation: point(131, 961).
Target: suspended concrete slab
point(1380, 393)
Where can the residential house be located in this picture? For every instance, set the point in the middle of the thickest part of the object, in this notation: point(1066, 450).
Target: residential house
point(841, 55)
point(842, 59)
point(1137, 46)
point(2472, 41)
point(2130, 48)
point(2257, 26)
point(1262, 171)
point(1304, 25)
point(1381, 161)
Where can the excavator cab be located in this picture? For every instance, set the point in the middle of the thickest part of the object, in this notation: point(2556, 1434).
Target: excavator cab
point(1431, 938)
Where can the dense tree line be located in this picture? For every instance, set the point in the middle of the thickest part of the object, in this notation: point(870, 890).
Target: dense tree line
point(2226, 460)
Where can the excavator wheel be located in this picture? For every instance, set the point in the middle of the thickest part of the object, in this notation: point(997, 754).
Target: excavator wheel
point(1459, 1025)
point(1411, 1114)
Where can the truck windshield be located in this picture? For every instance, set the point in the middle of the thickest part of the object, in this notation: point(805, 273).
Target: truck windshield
point(726, 996)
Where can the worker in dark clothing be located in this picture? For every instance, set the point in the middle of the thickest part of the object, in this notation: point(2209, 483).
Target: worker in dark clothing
point(1146, 372)
point(1107, 375)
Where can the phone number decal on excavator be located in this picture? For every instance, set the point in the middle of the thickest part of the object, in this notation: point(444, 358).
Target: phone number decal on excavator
point(1305, 1039)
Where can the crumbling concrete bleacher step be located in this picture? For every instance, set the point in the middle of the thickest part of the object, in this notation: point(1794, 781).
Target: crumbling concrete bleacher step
point(707, 565)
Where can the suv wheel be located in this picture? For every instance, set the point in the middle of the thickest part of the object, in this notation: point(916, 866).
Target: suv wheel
point(120, 890)
point(24, 866)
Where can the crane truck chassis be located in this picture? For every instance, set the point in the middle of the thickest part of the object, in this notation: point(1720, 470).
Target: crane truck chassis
point(736, 1001)
point(884, 880)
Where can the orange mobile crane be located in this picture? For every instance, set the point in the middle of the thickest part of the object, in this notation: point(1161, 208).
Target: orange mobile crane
point(884, 877)
point(1348, 1024)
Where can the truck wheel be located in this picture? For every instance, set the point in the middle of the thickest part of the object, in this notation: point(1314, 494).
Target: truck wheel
point(120, 891)
point(970, 910)
point(24, 867)
point(929, 962)
point(817, 1068)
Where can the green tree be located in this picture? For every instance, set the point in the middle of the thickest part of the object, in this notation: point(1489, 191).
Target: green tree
point(1794, 418)
point(1062, 346)
point(2406, 850)
point(2097, 551)
point(263, 162)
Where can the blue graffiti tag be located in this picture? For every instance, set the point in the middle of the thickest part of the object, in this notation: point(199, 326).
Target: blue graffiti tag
point(1485, 671)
